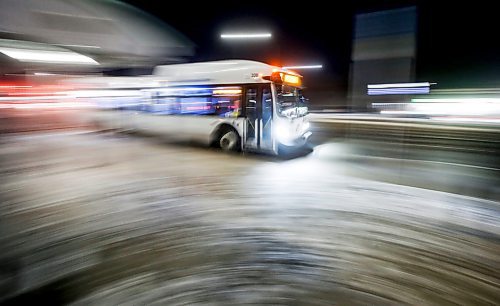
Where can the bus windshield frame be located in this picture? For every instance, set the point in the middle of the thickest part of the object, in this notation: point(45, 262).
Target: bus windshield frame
point(290, 102)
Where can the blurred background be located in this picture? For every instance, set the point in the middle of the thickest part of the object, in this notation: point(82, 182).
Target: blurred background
point(394, 200)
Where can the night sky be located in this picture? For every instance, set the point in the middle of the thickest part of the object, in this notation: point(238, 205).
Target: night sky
point(457, 42)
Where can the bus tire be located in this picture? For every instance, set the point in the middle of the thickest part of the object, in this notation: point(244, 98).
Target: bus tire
point(229, 140)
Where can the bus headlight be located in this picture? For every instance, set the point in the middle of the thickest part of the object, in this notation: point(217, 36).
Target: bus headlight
point(305, 126)
point(282, 133)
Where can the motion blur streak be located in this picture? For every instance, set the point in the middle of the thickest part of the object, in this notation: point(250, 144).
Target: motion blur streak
point(47, 56)
point(111, 33)
point(106, 198)
point(107, 219)
point(481, 108)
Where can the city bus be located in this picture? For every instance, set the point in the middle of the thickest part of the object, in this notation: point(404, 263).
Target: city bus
point(236, 105)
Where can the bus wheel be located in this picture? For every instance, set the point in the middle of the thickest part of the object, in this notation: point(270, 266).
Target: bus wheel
point(229, 140)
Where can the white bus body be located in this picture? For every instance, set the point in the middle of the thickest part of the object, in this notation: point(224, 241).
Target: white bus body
point(234, 104)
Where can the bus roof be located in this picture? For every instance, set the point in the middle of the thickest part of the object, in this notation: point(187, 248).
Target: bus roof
point(217, 72)
point(201, 73)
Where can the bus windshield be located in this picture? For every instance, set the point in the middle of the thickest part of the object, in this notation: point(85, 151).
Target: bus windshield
point(291, 103)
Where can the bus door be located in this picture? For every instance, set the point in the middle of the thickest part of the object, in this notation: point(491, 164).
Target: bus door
point(259, 115)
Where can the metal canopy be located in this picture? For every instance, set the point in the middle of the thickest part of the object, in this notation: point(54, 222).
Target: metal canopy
point(111, 32)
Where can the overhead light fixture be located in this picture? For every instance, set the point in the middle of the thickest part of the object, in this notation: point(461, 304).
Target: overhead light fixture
point(304, 67)
point(245, 35)
point(47, 56)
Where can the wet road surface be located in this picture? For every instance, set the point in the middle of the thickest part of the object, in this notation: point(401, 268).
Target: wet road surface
point(109, 219)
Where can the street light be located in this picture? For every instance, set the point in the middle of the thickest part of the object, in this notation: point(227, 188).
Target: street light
point(304, 67)
point(246, 36)
point(247, 43)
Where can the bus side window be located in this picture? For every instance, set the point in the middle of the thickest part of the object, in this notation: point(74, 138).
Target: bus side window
point(267, 103)
point(267, 114)
point(251, 102)
point(227, 101)
point(251, 110)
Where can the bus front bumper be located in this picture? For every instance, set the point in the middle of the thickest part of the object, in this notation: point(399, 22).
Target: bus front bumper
point(296, 142)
